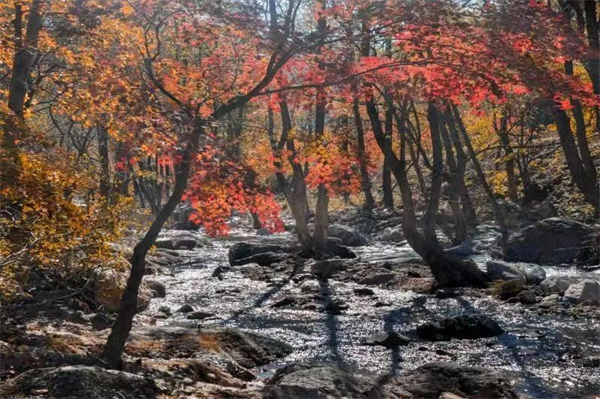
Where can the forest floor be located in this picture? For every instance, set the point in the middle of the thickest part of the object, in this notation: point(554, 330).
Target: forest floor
point(237, 331)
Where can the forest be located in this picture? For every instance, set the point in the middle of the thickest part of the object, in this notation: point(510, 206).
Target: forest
point(274, 199)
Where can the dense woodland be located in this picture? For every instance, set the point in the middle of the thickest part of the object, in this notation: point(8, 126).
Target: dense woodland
point(120, 119)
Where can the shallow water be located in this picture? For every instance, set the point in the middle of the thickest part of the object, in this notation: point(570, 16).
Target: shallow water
point(540, 351)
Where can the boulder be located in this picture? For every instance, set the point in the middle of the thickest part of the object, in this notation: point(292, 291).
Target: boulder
point(199, 315)
point(527, 297)
point(364, 292)
point(248, 349)
point(304, 381)
point(528, 274)
point(583, 291)
point(435, 379)
point(158, 289)
point(463, 250)
point(557, 284)
point(327, 267)
point(335, 247)
point(462, 327)
point(108, 286)
point(263, 259)
point(348, 235)
point(187, 308)
point(549, 301)
point(243, 250)
point(387, 339)
point(377, 279)
point(180, 239)
point(392, 234)
point(181, 216)
point(80, 382)
point(550, 241)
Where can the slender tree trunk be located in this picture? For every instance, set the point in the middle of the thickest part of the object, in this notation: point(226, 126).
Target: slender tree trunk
point(362, 155)
point(461, 158)
point(102, 135)
point(509, 161)
point(499, 215)
point(113, 350)
point(321, 211)
point(460, 226)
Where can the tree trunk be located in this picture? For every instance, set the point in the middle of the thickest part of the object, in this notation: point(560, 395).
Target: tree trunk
point(113, 350)
point(25, 52)
point(584, 179)
point(321, 211)
point(498, 214)
point(104, 162)
point(362, 156)
point(460, 226)
point(461, 159)
point(509, 161)
point(447, 270)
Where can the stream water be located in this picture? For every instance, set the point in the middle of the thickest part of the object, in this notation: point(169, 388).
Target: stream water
point(542, 353)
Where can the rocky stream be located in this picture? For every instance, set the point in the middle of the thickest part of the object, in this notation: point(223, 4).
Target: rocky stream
point(246, 317)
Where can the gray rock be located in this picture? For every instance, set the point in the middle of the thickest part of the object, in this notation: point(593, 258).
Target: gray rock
point(199, 315)
point(262, 232)
point(304, 381)
point(557, 284)
point(528, 274)
point(434, 379)
point(263, 259)
point(550, 241)
point(583, 291)
point(85, 382)
point(165, 309)
point(387, 339)
point(326, 268)
point(336, 248)
point(348, 235)
point(378, 279)
point(462, 327)
point(497, 270)
point(158, 289)
point(392, 234)
point(549, 301)
point(243, 250)
point(527, 297)
point(180, 239)
point(187, 308)
point(364, 292)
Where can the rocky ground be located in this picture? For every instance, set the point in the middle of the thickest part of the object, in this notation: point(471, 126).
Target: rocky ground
point(246, 317)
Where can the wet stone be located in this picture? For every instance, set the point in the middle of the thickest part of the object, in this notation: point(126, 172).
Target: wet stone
point(387, 339)
point(187, 308)
point(462, 327)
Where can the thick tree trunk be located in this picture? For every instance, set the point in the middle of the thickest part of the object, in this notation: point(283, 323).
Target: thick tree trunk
point(113, 350)
point(592, 65)
point(295, 192)
point(14, 128)
point(447, 270)
point(584, 179)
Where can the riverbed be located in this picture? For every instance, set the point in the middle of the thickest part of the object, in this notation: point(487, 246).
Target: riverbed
point(546, 355)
